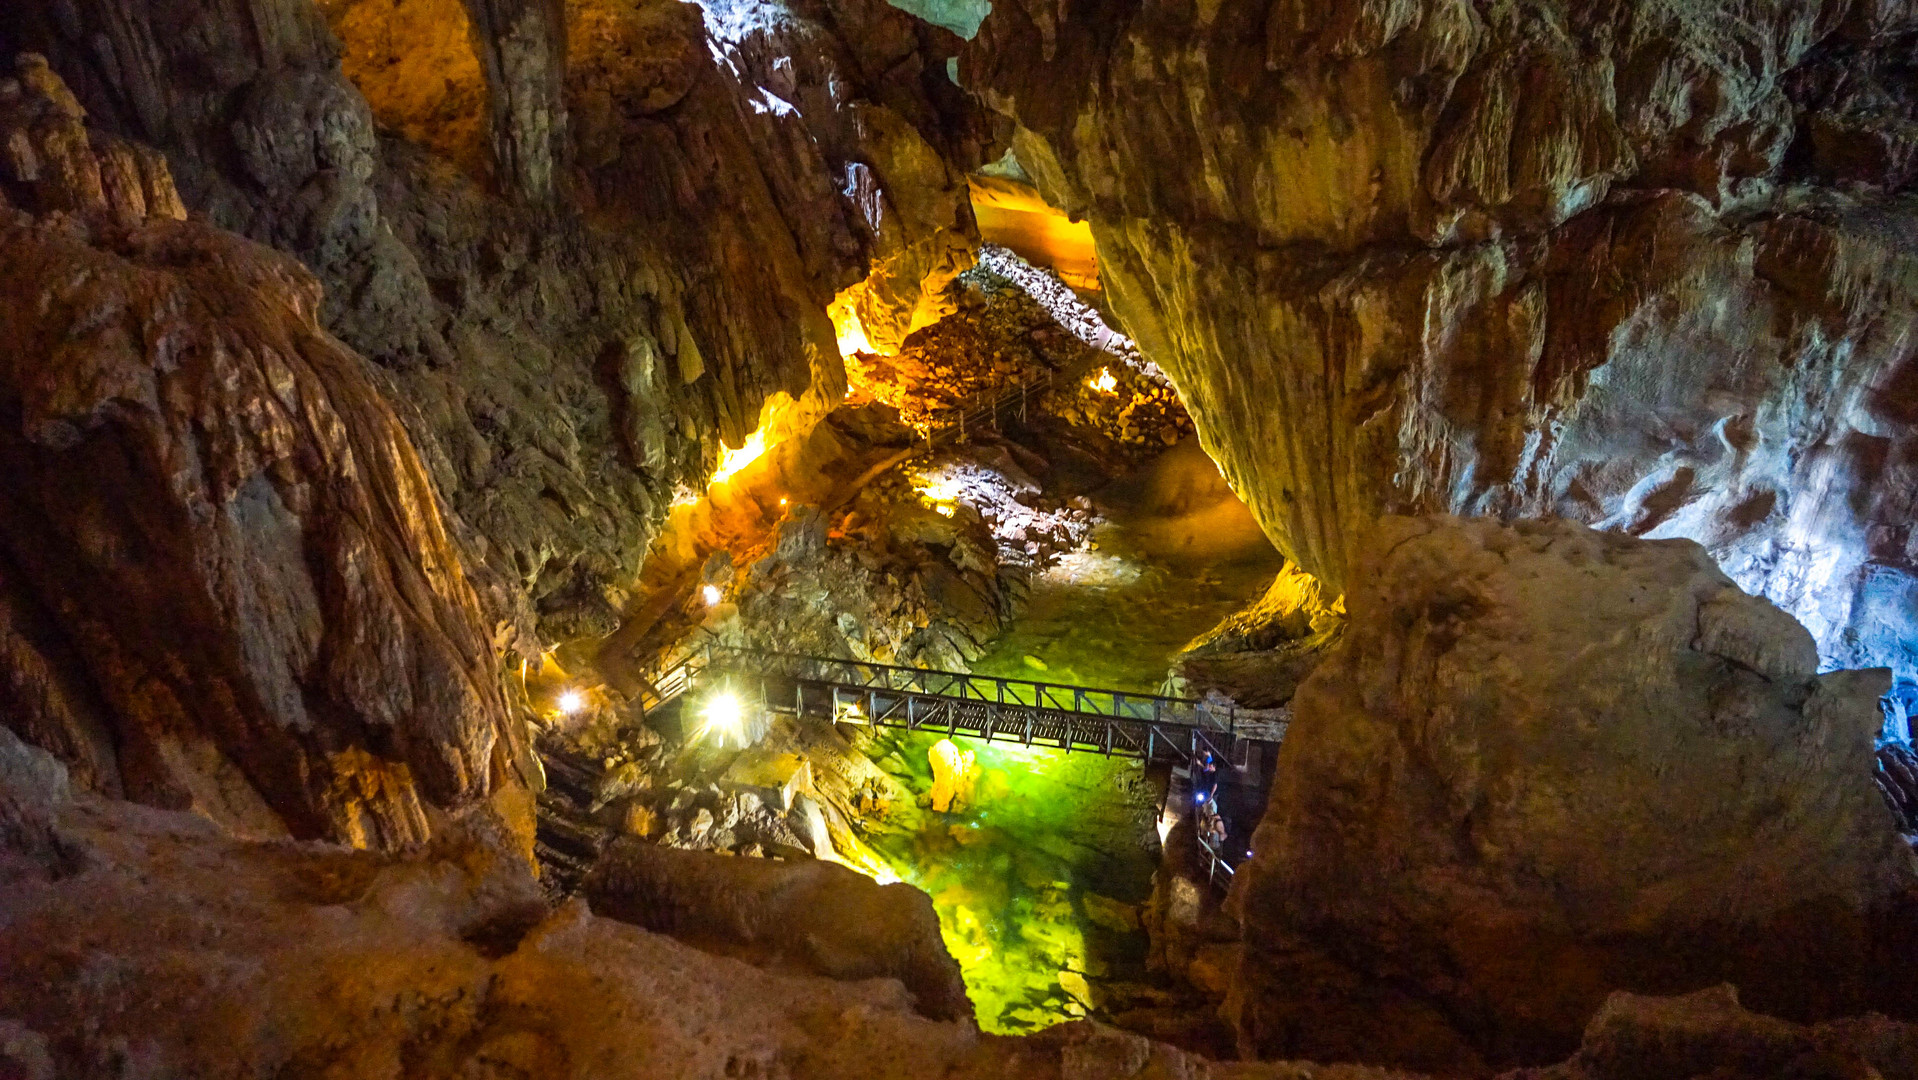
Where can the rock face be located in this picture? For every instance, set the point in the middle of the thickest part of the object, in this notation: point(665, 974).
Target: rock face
point(145, 942)
point(1545, 763)
point(1608, 261)
point(224, 581)
point(584, 249)
point(805, 915)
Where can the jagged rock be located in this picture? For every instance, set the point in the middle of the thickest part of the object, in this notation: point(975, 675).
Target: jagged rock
point(180, 951)
point(1897, 778)
point(1258, 656)
point(570, 346)
point(224, 581)
point(807, 915)
point(1710, 1033)
point(1546, 763)
point(1562, 258)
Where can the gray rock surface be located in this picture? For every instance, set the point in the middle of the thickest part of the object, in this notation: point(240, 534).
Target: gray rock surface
point(1545, 763)
point(224, 579)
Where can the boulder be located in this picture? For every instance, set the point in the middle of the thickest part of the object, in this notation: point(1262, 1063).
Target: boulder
point(153, 944)
point(1547, 763)
point(805, 915)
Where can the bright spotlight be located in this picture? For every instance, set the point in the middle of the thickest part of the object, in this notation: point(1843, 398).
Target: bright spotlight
point(711, 594)
point(1104, 382)
point(571, 702)
point(726, 715)
point(731, 461)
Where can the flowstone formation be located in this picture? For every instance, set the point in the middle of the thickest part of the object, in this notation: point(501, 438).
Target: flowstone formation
point(361, 361)
point(1545, 763)
point(1643, 265)
point(224, 580)
point(587, 245)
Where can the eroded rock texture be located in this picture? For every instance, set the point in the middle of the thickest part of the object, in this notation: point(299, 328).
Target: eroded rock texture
point(1546, 763)
point(808, 915)
point(182, 951)
point(583, 247)
point(224, 580)
point(1643, 265)
point(145, 942)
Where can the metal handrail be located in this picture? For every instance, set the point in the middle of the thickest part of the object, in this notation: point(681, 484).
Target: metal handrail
point(1063, 716)
point(1215, 862)
point(964, 686)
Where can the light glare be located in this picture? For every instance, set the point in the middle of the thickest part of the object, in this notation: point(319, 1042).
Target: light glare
point(731, 461)
point(711, 594)
point(571, 702)
point(724, 715)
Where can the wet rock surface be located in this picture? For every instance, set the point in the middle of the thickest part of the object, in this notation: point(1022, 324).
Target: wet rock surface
point(187, 952)
point(1495, 805)
point(1259, 655)
point(573, 316)
point(301, 959)
point(264, 546)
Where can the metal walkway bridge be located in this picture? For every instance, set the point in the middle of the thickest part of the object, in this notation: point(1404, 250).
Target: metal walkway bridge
point(1060, 717)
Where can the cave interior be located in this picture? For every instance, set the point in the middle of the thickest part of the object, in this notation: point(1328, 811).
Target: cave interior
point(1069, 539)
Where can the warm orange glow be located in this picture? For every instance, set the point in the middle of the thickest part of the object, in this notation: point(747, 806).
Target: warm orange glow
point(939, 491)
point(731, 460)
point(413, 61)
point(1012, 215)
point(1104, 381)
point(847, 327)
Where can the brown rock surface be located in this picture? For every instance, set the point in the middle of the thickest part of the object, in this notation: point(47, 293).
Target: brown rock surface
point(638, 264)
point(1546, 763)
point(1585, 259)
point(147, 943)
point(224, 582)
point(806, 915)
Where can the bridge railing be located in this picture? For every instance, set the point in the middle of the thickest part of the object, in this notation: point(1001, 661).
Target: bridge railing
point(1218, 871)
point(990, 689)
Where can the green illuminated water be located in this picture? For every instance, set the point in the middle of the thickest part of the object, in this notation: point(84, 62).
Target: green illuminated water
point(1017, 874)
point(1009, 874)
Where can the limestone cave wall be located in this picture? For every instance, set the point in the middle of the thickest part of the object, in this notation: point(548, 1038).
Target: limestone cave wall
point(597, 244)
point(225, 583)
point(1647, 266)
point(547, 287)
